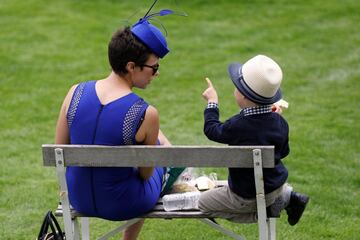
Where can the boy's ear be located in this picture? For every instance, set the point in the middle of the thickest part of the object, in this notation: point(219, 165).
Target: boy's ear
point(130, 66)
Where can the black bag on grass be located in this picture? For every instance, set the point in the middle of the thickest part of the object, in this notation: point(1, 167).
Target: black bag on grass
point(54, 233)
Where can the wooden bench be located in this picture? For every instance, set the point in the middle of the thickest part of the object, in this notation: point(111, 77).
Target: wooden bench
point(256, 157)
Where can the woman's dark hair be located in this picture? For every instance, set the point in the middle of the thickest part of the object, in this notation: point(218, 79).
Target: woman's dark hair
point(124, 48)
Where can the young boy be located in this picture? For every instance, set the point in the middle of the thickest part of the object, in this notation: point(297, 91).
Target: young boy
point(257, 88)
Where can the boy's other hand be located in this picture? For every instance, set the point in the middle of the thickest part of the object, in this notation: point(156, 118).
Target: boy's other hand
point(210, 93)
point(276, 108)
point(279, 106)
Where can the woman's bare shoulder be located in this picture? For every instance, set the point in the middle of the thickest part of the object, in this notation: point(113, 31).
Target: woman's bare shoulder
point(152, 113)
point(68, 97)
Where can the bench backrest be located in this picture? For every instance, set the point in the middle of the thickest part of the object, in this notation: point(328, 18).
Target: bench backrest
point(166, 156)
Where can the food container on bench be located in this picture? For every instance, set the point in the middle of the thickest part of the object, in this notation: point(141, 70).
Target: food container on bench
point(181, 201)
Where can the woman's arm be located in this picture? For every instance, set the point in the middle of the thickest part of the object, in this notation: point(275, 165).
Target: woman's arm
point(148, 134)
point(62, 135)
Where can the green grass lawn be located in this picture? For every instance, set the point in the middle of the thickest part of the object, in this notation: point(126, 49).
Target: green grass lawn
point(47, 46)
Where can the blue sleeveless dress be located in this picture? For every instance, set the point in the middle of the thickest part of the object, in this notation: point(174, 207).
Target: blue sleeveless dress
point(109, 193)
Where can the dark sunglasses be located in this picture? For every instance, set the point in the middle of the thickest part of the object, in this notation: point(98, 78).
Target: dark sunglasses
point(155, 68)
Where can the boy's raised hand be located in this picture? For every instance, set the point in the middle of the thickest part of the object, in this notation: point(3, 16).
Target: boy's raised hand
point(210, 93)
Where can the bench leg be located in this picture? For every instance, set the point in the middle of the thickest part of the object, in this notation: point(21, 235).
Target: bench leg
point(272, 228)
point(69, 223)
point(119, 229)
point(76, 229)
point(85, 233)
point(264, 223)
point(263, 229)
point(221, 229)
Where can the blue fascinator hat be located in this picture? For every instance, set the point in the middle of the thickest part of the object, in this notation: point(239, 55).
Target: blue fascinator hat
point(150, 35)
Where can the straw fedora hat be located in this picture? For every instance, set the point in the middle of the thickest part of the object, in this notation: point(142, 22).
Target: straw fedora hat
point(258, 79)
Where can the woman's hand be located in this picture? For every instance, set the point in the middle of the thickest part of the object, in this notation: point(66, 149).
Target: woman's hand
point(210, 93)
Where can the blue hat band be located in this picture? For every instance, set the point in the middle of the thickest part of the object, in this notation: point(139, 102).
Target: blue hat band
point(253, 96)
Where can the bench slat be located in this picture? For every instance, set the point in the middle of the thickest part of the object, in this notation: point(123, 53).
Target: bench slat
point(176, 214)
point(152, 214)
point(176, 156)
point(157, 212)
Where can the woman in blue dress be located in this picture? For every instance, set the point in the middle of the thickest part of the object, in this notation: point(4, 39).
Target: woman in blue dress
point(108, 112)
